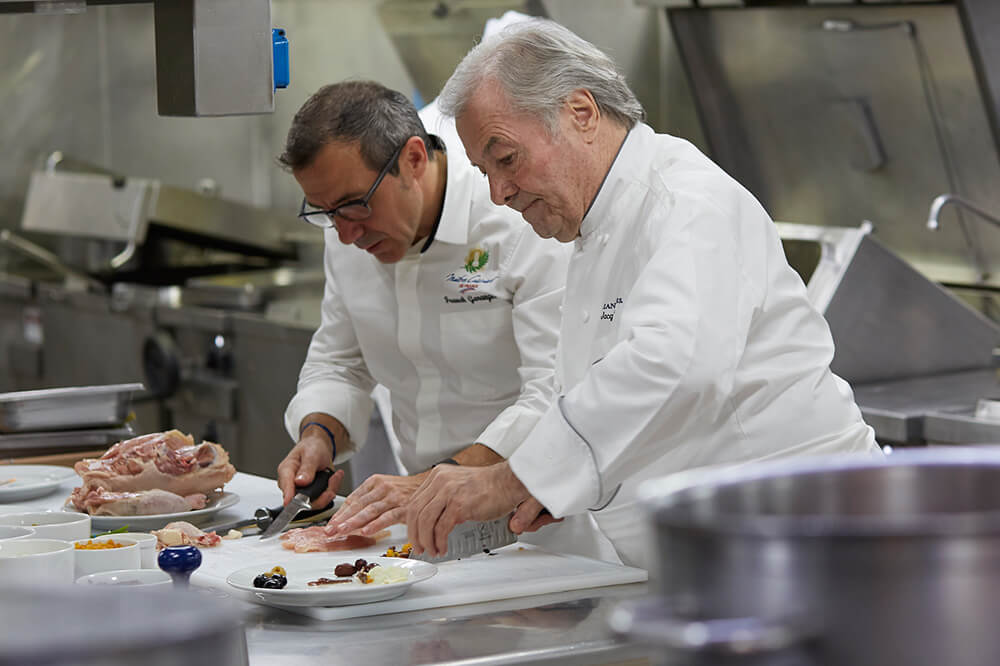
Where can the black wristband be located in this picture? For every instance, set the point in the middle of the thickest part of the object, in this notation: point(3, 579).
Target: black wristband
point(446, 461)
point(333, 442)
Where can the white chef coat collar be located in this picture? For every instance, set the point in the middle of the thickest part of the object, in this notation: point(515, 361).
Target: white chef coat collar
point(454, 227)
point(604, 207)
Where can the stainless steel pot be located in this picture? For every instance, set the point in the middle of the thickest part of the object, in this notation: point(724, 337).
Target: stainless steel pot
point(92, 626)
point(849, 562)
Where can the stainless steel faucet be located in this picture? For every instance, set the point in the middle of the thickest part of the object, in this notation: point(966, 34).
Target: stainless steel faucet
point(978, 257)
point(944, 199)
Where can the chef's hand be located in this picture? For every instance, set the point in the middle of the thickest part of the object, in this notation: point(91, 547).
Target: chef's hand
point(451, 495)
point(299, 467)
point(374, 505)
point(531, 516)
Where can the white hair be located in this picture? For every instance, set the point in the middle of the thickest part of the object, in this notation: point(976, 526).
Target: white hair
point(538, 64)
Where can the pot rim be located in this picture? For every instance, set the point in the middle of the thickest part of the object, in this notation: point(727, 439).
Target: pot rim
point(668, 500)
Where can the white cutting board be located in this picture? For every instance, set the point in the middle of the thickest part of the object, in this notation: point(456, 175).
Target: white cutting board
point(514, 571)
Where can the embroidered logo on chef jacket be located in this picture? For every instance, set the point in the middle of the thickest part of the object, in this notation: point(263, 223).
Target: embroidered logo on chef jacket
point(476, 259)
point(608, 310)
point(468, 284)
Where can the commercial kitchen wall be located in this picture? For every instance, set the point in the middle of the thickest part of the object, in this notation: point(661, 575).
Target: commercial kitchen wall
point(85, 84)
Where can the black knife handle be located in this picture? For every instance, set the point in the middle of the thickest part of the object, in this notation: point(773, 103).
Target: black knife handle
point(318, 485)
point(265, 516)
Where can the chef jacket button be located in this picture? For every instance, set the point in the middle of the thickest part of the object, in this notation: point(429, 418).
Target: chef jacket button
point(604, 239)
point(558, 387)
point(586, 317)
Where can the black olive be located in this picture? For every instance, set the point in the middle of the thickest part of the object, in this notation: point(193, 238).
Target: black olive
point(282, 580)
point(360, 564)
point(273, 584)
point(261, 580)
point(344, 570)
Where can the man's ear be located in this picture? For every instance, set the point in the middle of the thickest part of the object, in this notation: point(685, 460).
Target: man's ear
point(584, 114)
point(413, 158)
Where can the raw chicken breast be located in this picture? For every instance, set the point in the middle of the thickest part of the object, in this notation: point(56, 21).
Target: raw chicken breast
point(165, 460)
point(102, 502)
point(315, 539)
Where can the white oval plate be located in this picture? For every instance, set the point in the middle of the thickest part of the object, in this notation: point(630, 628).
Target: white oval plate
point(31, 480)
point(158, 520)
point(298, 592)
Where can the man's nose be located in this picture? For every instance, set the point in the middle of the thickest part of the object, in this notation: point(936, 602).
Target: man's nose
point(501, 190)
point(349, 231)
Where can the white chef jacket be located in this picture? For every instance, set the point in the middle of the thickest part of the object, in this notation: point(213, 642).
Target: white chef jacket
point(686, 340)
point(463, 334)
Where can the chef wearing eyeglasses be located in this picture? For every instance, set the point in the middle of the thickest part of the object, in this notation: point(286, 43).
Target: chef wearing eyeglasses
point(450, 302)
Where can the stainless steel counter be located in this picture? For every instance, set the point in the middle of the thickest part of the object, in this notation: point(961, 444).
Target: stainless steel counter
point(569, 627)
point(931, 409)
point(561, 628)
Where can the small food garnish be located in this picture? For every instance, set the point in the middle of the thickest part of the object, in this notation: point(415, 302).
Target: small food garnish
point(275, 579)
point(359, 570)
point(385, 575)
point(327, 581)
point(402, 551)
point(99, 545)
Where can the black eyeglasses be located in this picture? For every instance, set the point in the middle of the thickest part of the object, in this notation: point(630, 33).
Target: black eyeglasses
point(354, 210)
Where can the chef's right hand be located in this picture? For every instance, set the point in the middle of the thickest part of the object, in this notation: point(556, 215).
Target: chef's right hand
point(299, 467)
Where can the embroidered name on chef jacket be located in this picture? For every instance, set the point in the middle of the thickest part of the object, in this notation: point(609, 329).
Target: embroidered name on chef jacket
point(608, 311)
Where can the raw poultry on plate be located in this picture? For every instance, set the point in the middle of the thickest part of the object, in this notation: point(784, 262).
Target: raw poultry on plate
point(164, 472)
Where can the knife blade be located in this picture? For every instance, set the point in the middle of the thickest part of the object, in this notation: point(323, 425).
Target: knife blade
point(474, 537)
point(263, 517)
point(301, 500)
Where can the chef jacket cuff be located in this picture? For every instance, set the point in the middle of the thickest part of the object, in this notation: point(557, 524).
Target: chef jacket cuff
point(508, 430)
point(558, 467)
point(349, 406)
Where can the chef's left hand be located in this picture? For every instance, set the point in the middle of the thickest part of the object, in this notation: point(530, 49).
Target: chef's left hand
point(374, 505)
point(451, 495)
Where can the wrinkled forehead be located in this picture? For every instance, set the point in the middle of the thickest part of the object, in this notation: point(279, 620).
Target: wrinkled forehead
point(489, 121)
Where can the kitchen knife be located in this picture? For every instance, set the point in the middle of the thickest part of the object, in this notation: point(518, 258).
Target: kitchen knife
point(474, 537)
point(263, 517)
point(301, 500)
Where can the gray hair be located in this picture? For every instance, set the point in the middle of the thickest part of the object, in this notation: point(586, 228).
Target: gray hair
point(538, 64)
point(378, 118)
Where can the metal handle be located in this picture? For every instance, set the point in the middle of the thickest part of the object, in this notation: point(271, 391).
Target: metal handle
point(49, 259)
point(650, 620)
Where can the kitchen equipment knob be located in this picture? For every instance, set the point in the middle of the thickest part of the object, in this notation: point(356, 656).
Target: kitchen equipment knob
point(180, 562)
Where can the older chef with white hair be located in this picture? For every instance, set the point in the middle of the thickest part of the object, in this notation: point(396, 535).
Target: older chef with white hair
point(686, 339)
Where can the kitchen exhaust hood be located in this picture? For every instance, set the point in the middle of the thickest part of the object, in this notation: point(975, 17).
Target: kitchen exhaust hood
point(213, 57)
point(431, 36)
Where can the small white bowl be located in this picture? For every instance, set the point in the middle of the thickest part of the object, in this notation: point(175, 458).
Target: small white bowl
point(8, 532)
point(147, 547)
point(105, 559)
point(37, 561)
point(128, 578)
point(51, 524)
